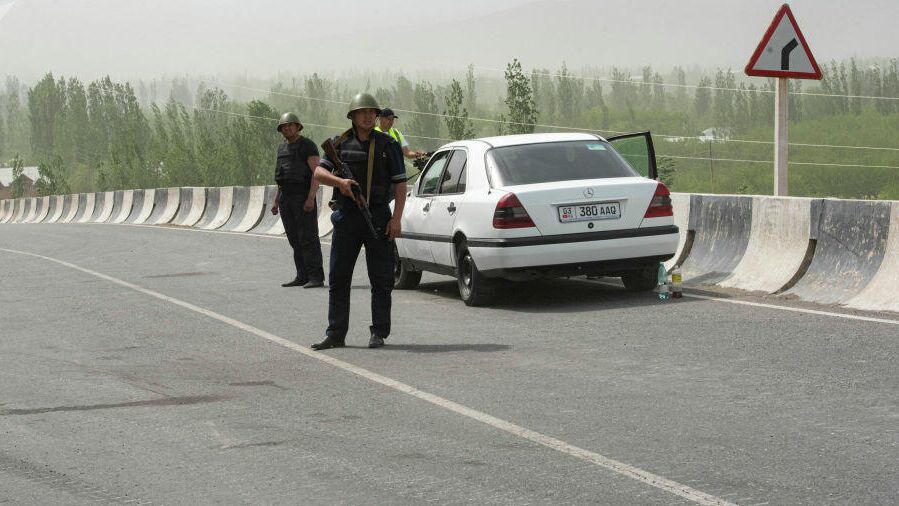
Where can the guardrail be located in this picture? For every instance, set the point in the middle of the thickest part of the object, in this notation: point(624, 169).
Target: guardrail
point(828, 251)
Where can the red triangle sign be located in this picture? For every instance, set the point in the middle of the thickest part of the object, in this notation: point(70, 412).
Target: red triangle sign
point(783, 51)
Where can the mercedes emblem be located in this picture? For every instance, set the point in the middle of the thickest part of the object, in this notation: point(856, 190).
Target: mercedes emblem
point(588, 192)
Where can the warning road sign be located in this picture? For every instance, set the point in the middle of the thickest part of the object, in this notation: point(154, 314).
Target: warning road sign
point(783, 51)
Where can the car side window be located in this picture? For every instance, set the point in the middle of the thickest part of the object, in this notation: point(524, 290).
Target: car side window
point(430, 178)
point(455, 171)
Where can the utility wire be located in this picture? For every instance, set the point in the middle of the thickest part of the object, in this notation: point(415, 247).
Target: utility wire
point(306, 123)
point(660, 155)
point(540, 125)
point(691, 86)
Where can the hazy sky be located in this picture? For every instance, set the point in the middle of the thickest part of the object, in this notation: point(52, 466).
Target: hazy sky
point(129, 38)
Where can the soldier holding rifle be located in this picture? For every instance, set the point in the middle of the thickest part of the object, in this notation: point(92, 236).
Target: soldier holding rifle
point(367, 167)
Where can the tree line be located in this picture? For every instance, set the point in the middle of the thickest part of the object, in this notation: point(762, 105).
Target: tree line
point(104, 135)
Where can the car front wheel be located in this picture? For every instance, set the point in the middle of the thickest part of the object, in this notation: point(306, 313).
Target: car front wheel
point(641, 280)
point(474, 288)
point(404, 278)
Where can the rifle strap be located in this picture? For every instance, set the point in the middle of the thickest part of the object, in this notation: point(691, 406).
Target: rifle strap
point(371, 168)
point(343, 137)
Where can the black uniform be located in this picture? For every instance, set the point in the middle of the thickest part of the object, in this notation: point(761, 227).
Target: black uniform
point(351, 233)
point(294, 178)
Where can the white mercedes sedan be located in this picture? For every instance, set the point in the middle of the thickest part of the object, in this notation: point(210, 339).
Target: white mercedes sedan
point(522, 207)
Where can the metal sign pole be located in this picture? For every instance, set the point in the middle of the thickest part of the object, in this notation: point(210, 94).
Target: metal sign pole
point(781, 146)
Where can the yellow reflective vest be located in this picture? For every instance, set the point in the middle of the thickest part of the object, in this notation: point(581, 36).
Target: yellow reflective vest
point(396, 134)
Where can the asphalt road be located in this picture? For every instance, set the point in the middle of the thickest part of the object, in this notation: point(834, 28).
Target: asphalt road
point(168, 366)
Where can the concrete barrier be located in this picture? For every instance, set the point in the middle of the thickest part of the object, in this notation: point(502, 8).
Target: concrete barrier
point(681, 204)
point(6, 206)
point(102, 207)
point(165, 206)
point(43, 209)
point(79, 208)
point(780, 245)
point(43, 203)
point(124, 204)
point(18, 210)
point(85, 208)
point(722, 224)
point(248, 204)
point(27, 204)
point(218, 208)
point(70, 207)
point(30, 210)
point(324, 212)
point(143, 206)
point(22, 211)
point(55, 211)
point(192, 204)
point(13, 210)
point(880, 292)
point(270, 224)
point(117, 198)
point(5, 209)
point(851, 240)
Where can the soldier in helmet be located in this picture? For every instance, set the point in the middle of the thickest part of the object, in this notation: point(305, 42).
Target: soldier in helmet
point(295, 200)
point(376, 162)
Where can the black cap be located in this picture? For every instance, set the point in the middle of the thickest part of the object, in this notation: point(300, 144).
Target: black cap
point(388, 113)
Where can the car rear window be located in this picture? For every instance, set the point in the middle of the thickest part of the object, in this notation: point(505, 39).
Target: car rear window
point(555, 161)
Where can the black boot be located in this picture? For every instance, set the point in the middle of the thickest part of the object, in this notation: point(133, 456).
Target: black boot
point(375, 341)
point(295, 282)
point(329, 342)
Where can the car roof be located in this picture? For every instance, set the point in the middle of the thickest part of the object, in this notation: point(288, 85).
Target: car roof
point(521, 139)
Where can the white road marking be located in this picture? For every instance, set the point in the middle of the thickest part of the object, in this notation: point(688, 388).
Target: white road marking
point(796, 309)
point(610, 464)
point(779, 308)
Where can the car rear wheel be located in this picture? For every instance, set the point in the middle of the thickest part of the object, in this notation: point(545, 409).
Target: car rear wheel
point(641, 280)
point(474, 288)
point(404, 278)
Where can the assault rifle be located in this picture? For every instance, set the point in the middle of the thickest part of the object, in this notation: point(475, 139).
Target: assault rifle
point(420, 162)
point(342, 170)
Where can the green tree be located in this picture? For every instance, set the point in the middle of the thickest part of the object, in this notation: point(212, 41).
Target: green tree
point(571, 96)
point(46, 105)
point(544, 92)
point(52, 180)
point(855, 88)
point(471, 97)
point(427, 122)
point(723, 104)
point(703, 101)
point(456, 117)
point(519, 101)
point(17, 187)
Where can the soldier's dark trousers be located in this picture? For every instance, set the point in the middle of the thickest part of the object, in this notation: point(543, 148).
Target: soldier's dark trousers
point(301, 229)
point(349, 235)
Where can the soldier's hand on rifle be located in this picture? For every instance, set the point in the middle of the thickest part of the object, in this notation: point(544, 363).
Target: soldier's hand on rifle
point(346, 187)
point(393, 228)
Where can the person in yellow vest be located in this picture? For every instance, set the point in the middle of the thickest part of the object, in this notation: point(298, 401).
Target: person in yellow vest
point(386, 120)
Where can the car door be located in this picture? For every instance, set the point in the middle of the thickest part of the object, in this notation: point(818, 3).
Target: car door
point(416, 233)
point(638, 151)
point(445, 206)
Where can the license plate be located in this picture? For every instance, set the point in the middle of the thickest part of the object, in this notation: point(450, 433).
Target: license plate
point(589, 212)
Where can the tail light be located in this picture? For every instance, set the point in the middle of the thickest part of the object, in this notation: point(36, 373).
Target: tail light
point(511, 214)
point(660, 205)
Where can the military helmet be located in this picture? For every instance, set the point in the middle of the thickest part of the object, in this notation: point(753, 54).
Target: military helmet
point(287, 118)
point(362, 101)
